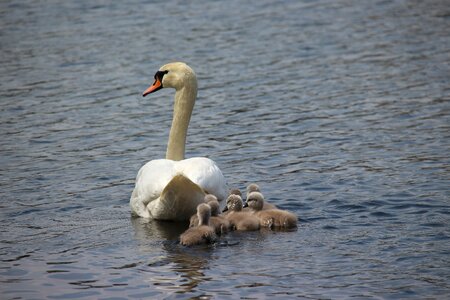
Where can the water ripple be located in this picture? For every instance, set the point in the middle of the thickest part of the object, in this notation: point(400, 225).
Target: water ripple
point(340, 112)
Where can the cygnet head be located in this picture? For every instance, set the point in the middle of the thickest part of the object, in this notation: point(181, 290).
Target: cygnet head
point(236, 192)
point(252, 187)
point(255, 200)
point(234, 203)
point(215, 207)
point(175, 75)
point(210, 197)
point(203, 214)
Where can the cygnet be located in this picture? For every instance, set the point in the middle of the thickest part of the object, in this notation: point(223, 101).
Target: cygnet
point(220, 224)
point(193, 221)
point(253, 187)
point(270, 217)
point(236, 192)
point(240, 220)
point(202, 234)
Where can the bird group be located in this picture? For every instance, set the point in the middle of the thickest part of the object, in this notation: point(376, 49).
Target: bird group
point(208, 223)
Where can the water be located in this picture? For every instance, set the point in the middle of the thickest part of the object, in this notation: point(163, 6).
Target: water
point(339, 109)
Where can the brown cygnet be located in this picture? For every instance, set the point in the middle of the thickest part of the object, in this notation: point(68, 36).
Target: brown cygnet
point(270, 217)
point(202, 234)
point(193, 221)
point(220, 224)
point(236, 192)
point(240, 220)
point(253, 187)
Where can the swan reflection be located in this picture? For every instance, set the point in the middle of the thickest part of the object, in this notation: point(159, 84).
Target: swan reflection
point(160, 239)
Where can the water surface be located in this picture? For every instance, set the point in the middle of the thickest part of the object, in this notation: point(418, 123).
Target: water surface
point(338, 109)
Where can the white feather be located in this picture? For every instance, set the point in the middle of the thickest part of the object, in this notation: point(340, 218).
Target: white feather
point(171, 188)
point(154, 176)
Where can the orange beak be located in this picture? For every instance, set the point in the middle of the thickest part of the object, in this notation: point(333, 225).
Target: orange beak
point(153, 88)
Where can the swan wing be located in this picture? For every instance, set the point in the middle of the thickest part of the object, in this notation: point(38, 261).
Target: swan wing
point(178, 200)
point(204, 172)
point(151, 180)
point(164, 187)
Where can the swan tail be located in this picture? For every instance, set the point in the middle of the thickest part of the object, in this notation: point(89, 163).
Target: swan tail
point(138, 208)
point(178, 200)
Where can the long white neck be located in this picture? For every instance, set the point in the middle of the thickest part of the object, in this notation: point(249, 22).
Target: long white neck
point(182, 111)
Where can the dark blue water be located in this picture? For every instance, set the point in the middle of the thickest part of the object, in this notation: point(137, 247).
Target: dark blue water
point(340, 110)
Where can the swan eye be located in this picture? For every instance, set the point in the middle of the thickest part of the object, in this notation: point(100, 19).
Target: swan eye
point(160, 74)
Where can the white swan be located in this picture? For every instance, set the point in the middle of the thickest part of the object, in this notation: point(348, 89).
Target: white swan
point(172, 188)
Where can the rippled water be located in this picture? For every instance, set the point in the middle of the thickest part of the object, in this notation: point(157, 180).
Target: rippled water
point(338, 109)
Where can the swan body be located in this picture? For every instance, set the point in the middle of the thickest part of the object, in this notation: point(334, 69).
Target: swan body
point(172, 188)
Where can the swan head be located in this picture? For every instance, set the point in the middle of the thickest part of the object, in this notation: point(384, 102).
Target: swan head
point(172, 75)
point(255, 200)
point(234, 203)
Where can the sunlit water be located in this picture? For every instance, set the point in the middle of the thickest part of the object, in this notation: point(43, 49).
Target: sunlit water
point(338, 109)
